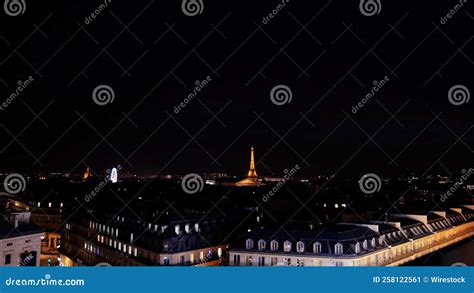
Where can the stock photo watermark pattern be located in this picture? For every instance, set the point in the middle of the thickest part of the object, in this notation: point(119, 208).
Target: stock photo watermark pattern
point(370, 183)
point(14, 7)
point(14, 183)
point(192, 183)
point(370, 7)
point(192, 7)
point(459, 95)
point(281, 95)
point(252, 134)
point(103, 95)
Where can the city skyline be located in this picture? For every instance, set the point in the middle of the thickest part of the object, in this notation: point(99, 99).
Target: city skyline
point(363, 94)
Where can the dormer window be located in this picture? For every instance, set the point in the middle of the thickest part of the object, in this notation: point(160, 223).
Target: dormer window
point(287, 246)
point(300, 246)
point(249, 244)
point(274, 245)
point(372, 243)
point(338, 249)
point(262, 244)
point(382, 240)
point(364, 244)
point(317, 248)
point(357, 248)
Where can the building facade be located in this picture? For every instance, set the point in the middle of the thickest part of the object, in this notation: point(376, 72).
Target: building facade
point(20, 240)
point(402, 238)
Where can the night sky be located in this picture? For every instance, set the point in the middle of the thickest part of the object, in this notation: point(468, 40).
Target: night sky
point(151, 54)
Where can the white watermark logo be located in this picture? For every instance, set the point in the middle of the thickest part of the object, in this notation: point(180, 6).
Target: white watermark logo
point(97, 11)
point(465, 175)
point(103, 95)
point(14, 7)
point(370, 183)
point(377, 86)
point(456, 8)
point(192, 183)
point(288, 175)
point(14, 183)
point(459, 95)
point(192, 7)
point(21, 86)
point(199, 86)
point(370, 7)
point(281, 94)
point(275, 11)
point(88, 197)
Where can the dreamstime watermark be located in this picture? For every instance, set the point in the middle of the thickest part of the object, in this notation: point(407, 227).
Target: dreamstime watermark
point(192, 183)
point(199, 86)
point(445, 18)
point(370, 7)
point(465, 175)
point(192, 7)
point(370, 183)
point(377, 86)
point(14, 183)
point(26, 260)
point(97, 11)
point(281, 95)
point(458, 95)
point(88, 197)
point(45, 281)
point(21, 86)
point(103, 95)
point(14, 7)
point(288, 175)
point(275, 11)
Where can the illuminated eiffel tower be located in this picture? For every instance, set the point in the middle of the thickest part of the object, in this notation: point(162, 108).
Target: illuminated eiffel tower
point(252, 178)
point(252, 172)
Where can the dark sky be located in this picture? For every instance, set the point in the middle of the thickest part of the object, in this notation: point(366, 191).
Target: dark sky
point(327, 52)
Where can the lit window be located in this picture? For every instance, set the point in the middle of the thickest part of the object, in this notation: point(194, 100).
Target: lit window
point(382, 240)
point(287, 246)
point(300, 246)
point(261, 244)
point(274, 245)
point(249, 244)
point(357, 247)
point(317, 247)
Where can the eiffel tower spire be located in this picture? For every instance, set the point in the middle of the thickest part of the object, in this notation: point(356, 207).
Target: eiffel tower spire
point(252, 172)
